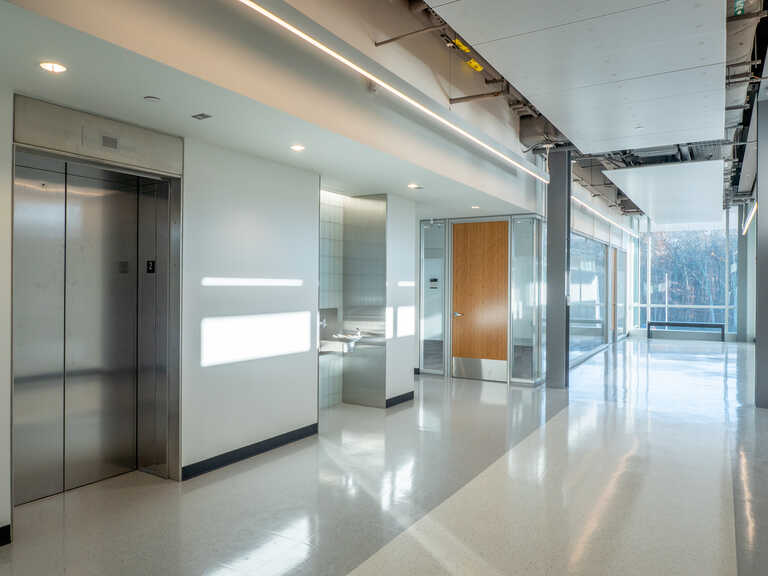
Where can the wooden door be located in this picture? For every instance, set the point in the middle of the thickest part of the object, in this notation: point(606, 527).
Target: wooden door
point(480, 277)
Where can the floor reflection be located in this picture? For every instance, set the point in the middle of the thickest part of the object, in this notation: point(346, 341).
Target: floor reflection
point(326, 504)
point(688, 381)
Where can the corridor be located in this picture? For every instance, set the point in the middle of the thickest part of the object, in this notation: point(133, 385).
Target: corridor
point(656, 449)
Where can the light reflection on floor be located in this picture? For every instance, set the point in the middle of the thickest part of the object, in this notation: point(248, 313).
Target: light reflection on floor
point(326, 504)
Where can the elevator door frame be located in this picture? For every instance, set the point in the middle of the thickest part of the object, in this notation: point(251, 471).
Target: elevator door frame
point(173, 334)
point(449, 364)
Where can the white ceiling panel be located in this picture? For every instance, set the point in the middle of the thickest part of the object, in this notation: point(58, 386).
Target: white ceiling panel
point(512, 18)
point(609, 75)
point(674, 194)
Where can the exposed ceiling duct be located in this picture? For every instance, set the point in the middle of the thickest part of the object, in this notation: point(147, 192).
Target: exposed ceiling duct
point(498, 85)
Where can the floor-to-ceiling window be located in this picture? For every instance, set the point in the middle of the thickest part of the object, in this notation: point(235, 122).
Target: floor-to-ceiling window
point(588, 295)
point(688, 273)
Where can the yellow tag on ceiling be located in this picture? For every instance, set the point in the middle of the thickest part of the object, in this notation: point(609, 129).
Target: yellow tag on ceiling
point(461, 46)
point(475, 65)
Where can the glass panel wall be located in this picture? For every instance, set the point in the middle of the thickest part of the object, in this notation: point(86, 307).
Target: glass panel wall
point(693, 274)
point(432, 331)
point(588, 295)
point(526, 291)
point(525, 305)
point(621, 293)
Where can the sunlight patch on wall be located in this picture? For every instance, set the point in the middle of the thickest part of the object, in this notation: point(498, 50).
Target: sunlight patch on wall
point(230, 339)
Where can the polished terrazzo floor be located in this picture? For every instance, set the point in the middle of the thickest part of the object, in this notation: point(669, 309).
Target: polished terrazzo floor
point(654, 462)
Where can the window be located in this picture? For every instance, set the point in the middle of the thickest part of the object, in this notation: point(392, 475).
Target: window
point(588, 295)
point(693, 274)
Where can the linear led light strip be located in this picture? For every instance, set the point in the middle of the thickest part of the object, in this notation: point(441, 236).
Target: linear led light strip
point(388, 87)
point(751, 217)
point(581, 202)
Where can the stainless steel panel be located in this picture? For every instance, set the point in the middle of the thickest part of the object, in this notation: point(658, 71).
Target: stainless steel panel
point(153, 319)
point(480, 369)
point(100, 355)
point(174, 330)
point(38, 328)
point(364, 374)
point(364, 300)
point(44, 125)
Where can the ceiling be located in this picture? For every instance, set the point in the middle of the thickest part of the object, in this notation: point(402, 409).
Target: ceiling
point(675, 193)
point(610, 74)
point(111, 81)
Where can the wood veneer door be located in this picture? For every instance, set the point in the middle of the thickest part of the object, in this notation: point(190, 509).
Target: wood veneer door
point(480, 278)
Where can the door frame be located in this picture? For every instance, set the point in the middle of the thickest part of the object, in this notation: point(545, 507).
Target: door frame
point(422, 280)
point(448, 367)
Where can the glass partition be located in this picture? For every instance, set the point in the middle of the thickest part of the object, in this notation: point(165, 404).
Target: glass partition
point(621, 294)
point(432, 331)
point(525, 294)
point(588, 295)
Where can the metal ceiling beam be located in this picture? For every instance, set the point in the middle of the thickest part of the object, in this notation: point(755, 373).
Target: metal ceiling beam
point(409, 34)
point(474, 97)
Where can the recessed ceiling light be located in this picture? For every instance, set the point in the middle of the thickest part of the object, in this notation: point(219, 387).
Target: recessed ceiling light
point(475, 207)
point(151, 99)
point(53, 67)
point(414, 186)
point(201, 116)
point(298, 148)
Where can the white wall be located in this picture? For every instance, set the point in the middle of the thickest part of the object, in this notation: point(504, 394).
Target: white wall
point(401, 294)
point(6, 161)
point(248, 218)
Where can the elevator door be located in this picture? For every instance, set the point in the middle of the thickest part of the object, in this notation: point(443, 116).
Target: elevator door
point(480, 293)
point(38, 329)
point(101, 325)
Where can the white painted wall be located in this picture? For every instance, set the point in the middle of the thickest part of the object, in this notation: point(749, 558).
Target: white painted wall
point(6, 231)
point(401, 294)
point(246, 217)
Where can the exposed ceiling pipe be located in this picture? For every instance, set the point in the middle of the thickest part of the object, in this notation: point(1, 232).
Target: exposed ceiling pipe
point(409, 34)
point(418, 6)
point(475, 97)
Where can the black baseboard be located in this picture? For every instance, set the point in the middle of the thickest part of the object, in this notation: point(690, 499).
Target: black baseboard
point(233, 456)
point(399, 399)
point(5, 535)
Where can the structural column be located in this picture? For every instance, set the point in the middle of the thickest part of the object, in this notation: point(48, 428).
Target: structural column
point(761, 268)
point(742, 279)
point(558, 266)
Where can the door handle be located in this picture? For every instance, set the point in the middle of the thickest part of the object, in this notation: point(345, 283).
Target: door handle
point(457, 314)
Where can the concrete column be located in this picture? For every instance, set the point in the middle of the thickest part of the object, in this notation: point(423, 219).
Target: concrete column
point(761, 268)
point(558, 266)
point(742, 279)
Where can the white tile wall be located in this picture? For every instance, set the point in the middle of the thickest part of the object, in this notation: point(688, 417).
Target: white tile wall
point(331, 289)
point(331, 250)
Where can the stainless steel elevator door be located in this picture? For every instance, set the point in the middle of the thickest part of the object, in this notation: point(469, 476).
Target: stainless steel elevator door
point(101, 325)
point(38, 329)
